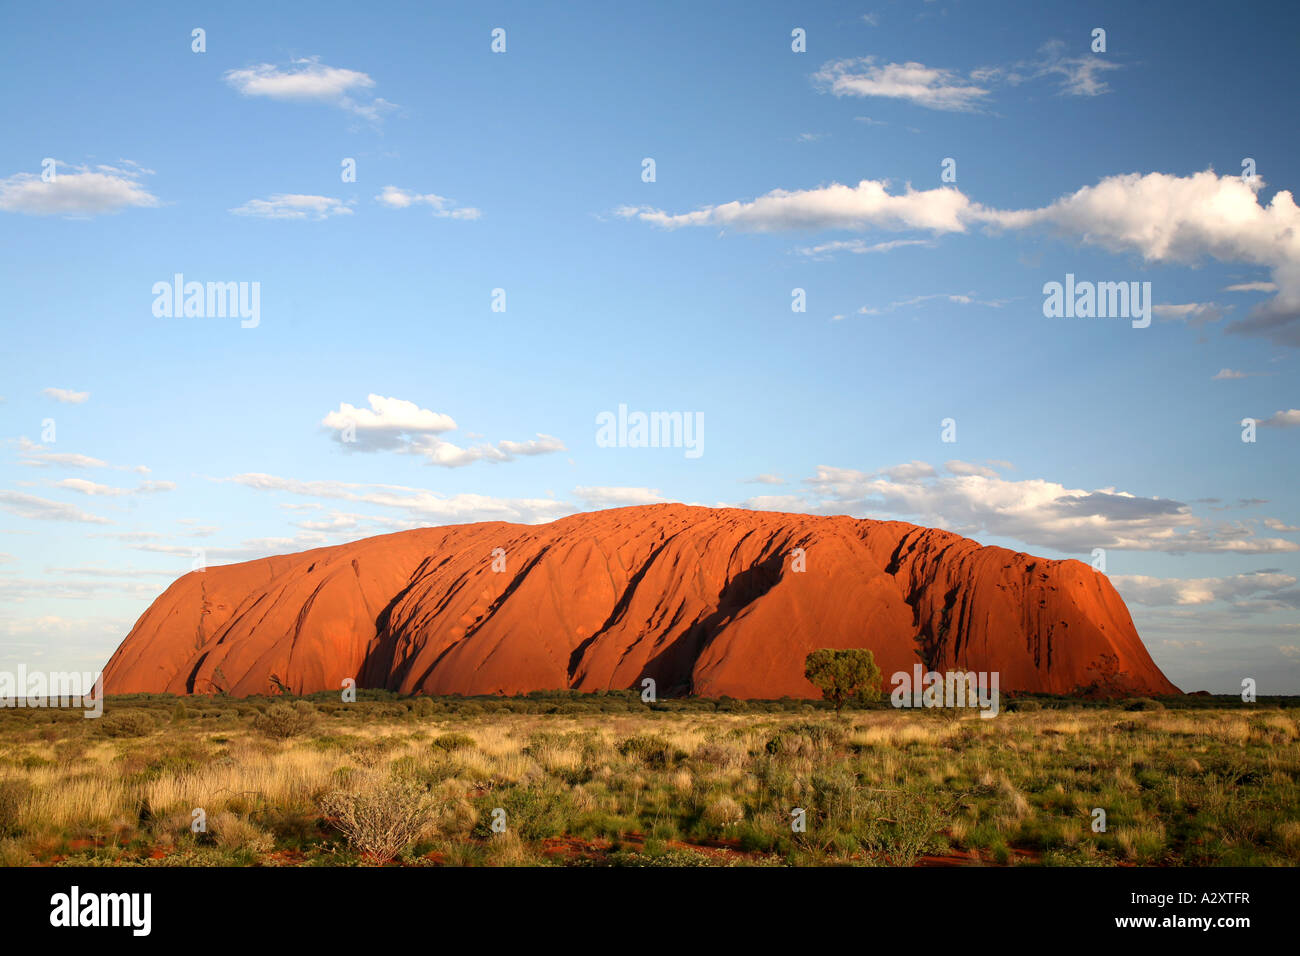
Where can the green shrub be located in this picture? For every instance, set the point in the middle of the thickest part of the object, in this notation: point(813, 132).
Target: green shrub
point(453, 741)
point(127, 723)
point(652, 750)
point(282, 721)
point(804, 739)
point(1143, 703)
point(533, 812)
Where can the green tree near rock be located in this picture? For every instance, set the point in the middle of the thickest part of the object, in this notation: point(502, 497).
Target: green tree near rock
point(844, 676)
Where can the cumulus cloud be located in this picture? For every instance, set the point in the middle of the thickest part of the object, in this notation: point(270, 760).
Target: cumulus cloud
point(1187, 219)
point(1159, 216)
point(764, 480)
point(294, 206)
point(66, 395)
point(442, 207)
point(909, 471)
point(307, 80)
point(1169, 592)
point(78, 194)
point(1282, 419)
point(956, 467)
point(386, 424)
point(1038, 512)
point(394, 424)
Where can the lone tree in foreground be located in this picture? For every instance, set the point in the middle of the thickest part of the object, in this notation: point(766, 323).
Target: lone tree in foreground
point(843, 676)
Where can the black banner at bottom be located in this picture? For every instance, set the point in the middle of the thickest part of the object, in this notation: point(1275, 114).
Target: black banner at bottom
point(334, 905)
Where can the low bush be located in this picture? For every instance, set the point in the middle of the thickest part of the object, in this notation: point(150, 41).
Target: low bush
point(127, 723)
point(381, 818)
point(282, 721)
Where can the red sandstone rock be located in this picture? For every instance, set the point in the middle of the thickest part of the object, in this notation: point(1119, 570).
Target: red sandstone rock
point(703, 600)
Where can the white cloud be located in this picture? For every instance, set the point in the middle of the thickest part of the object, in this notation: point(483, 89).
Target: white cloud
point(858, 247)
point(448, 455)
point(393, 424)
point(764, 480)
point(425, 506)
point(39, 456)
point(968, 298)
point(43, 509)
point(1252, 287)
point(101, 572)
point(541, 445)
point(1231, 374)
point(93, 488)
point(66, 395)
point(909, 471)
point(1186, 219)
point(950, 90)
point(1038, 512)
point(308, 80)
point(936, 89)
point(1166, 592)
point(442, 207)
point(1283, 419)
point(1162, 217)
point(78, 194)
point(294, 206)
point(54, 643)
point(1195, 314)
point(956, 467)
point(386, 422)
point(773, 503)
point(617, 497)
point(1079, 75)
point(864, 206)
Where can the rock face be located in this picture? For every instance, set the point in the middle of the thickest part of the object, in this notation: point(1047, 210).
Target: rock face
point(705, 601)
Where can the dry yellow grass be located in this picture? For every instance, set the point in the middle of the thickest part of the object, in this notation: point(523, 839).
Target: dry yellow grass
point(1033, 776)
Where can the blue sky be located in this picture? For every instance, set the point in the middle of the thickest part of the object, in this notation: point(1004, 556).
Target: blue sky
point(774, 170)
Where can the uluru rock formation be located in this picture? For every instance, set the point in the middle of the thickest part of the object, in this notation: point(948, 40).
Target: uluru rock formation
point(705, 601)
